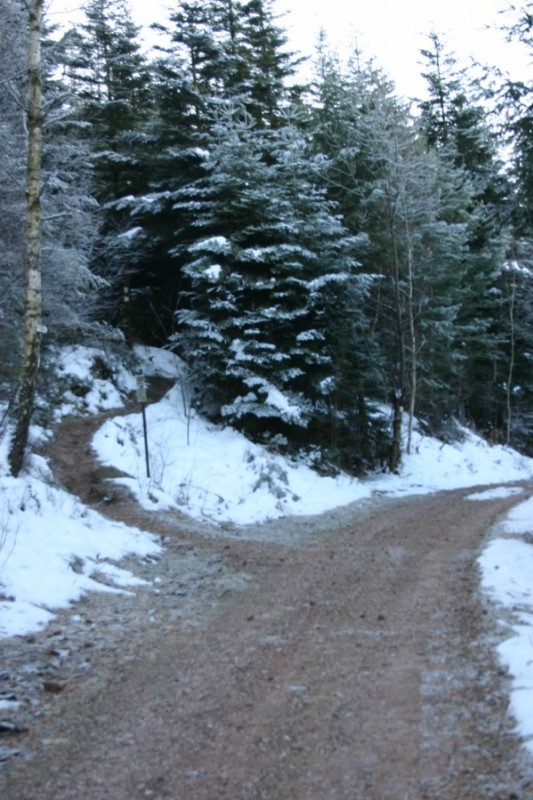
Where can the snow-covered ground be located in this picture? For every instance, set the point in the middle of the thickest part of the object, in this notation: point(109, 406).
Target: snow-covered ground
point(507, 576)
point(51, 545)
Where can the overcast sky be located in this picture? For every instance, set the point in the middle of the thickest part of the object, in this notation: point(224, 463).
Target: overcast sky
point(392, 31)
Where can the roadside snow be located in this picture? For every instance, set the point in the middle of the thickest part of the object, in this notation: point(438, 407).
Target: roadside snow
point(214, 472)
point(499, 493)
point(53, 549)
point(507, 569)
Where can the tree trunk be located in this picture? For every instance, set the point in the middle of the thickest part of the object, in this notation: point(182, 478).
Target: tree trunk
point(399, 370)
point(396, 444)
point(23, 403)
point(512, 356)
point(412, 331)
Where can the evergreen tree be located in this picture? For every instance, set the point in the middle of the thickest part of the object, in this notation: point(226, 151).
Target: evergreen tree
point(460, 132)
point(409, 206)
point(234, 49)
point(270, 263)
point(219, 51)
point(516, 106)
point(514, 285)
point(70, 219)
point(13, 60)
point(109, 74)
point(111, 79)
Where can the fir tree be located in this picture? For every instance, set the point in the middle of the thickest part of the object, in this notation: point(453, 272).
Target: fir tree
point(471, 146)
point(108, 73)
point(270, 263)
point(412, 210)
point(219, 51)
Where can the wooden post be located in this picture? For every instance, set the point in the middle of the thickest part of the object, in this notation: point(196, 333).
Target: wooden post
point(142, 398)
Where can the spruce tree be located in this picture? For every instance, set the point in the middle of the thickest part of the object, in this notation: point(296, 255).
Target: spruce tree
point(13, 59)
point(270, 263)
point(110, 77)
point(513, 284)
point(411, 208)
point(516, 106)
point(456, 125)
point(218, 51)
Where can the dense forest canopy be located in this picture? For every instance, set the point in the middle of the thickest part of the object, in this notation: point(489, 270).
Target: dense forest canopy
point(326, 258)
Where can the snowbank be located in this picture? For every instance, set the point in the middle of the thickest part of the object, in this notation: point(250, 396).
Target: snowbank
point(507, 570)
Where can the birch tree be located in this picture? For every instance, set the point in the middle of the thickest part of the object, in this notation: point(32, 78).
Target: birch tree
point(24, 397)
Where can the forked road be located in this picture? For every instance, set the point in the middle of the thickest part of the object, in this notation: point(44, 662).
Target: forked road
point(355, 664)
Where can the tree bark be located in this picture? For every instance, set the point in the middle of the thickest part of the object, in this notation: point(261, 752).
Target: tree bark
point(398, 391)
point(412, 330)
point(512, 355)
point(24, 398)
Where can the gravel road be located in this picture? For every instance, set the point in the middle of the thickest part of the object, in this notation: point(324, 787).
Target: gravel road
point(348, 656)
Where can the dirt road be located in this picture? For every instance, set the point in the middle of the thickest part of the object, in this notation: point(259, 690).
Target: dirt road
point(341, 657)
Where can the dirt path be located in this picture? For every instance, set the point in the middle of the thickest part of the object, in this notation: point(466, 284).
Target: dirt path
point(341, 657)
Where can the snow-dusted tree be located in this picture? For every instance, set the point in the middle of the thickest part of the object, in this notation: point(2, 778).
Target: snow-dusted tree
point(47, 186)
point(261, 67)
point(173, 138)
point(70, 215)
point(513, 390)
point(270, 265)
point(455, 121)
point(234, 49)
point(218, 50)
point(13, 60)
point(516, 106)
point(109, 74)
point(402, 198)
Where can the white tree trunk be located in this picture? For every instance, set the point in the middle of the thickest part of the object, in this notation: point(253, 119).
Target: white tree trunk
point(24, 398)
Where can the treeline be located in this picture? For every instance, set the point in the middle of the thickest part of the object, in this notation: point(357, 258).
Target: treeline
point(326, 257)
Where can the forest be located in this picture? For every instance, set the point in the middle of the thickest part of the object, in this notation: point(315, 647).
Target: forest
point(331, 261)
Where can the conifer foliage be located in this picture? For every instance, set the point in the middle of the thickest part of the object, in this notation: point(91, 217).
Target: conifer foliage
point(271, 262)
point(334, 268)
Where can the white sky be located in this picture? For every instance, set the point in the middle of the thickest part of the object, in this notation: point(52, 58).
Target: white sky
point(394, 32)
point(391, 31)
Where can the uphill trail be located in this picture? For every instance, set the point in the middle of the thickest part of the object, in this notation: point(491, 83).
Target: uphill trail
point(348, 656)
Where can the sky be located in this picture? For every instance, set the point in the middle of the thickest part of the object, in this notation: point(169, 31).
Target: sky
point(390, 31)
point(395, 32)
point(213, 473)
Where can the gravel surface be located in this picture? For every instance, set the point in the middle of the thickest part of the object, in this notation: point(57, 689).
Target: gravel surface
point(348, 656)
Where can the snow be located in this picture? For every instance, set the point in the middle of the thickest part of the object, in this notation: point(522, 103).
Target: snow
point(81, 363)
point(507, 567)
point(214, 244)
point(500, 493)
point(213, 273)
point(216, 473)
point(53, 549)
